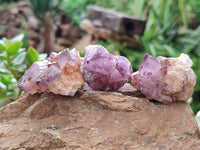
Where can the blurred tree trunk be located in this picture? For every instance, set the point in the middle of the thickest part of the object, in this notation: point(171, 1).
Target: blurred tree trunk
point(48, 34)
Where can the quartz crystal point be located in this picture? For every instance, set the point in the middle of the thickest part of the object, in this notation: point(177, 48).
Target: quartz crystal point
point(59, 74)
point(102, 70)
point(165, 79)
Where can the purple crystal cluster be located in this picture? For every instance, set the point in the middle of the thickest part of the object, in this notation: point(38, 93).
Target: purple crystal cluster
point(165, 79)
point(102, 70)
point(60, 74)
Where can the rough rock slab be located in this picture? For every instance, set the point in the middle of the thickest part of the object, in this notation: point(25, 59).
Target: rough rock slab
point(122, 120)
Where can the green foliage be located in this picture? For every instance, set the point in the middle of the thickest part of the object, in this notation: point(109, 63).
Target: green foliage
point(4, 4)
point(183, 13)
point(77, 10)
point(188, 41)
point(161, 28)
point(31, 56)
point(14, 60)
point(129, 7)
point(3, 29)
point(8, 1)
point(195, 7)
point(196, 99)
point(125, 6)
point(40, 8)
point(166, 30)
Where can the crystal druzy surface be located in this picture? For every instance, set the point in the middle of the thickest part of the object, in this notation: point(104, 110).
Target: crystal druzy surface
point(59, 74)
point(165, 79)
point(102, 70)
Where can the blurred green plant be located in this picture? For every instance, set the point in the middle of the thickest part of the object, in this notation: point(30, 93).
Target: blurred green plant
point(5, 3)
point(129, 7)
point(8, 1)
point(76, 10)
point(14, 60)
point(188, 41)
point(40, 8)
point(196, 98)
point(3, 29)
point(167, 31)
point(125, 6)
point(162, 27)
point(46, 11)
point(195, 5)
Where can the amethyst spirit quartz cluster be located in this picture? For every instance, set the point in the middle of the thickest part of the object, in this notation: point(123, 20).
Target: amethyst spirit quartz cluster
point(59, 74)
point(102, 70)
point(165, 79)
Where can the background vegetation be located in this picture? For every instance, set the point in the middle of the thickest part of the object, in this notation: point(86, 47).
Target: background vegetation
point(173, 27)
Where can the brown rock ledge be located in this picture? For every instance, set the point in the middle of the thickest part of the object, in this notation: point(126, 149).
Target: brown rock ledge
point(123, 120)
